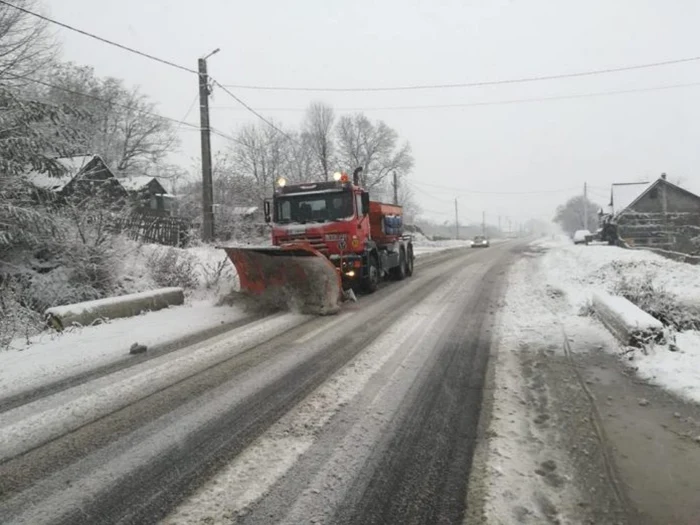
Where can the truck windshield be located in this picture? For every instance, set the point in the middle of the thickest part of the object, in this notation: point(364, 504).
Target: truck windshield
point(314, 207)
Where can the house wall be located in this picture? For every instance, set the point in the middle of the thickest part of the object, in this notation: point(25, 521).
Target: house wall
point(666, 217)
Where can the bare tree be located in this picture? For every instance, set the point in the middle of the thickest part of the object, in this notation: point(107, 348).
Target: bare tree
point(26, 46)
point(372, 146)
point(407, 199)
point(263, 154)
point(317, 134)
point(122, 126)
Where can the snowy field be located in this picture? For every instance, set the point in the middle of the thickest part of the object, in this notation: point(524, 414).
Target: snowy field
point(578, 271)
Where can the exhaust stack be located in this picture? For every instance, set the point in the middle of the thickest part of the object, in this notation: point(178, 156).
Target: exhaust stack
point(356, 176)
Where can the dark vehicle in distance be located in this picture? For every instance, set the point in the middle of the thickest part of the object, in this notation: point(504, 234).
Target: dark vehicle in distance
point(480, 242)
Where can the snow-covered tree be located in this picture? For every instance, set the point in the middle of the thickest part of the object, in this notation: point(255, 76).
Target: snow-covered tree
point(571, 215)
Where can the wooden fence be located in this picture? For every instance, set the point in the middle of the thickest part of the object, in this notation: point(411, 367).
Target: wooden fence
point(171, 231)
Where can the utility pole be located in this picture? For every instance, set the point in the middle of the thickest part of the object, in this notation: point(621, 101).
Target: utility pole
point(483, 223)
point(396, 188)
point(585, 205)
point(207, 183)
point(456, 221)
point(500, 231)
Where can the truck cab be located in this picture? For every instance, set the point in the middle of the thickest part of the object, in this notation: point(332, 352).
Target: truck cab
point(363, 239)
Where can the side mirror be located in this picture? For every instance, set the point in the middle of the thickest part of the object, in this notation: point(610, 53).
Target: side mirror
point(266, 207)
point(365, 203)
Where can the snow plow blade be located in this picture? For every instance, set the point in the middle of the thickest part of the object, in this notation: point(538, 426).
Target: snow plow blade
point(297, 276)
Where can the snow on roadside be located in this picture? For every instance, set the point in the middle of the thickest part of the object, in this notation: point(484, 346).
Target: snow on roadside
point(423, 246)
point(54, 356)
point(579, 271)
point(516, 447)
point(679, 371)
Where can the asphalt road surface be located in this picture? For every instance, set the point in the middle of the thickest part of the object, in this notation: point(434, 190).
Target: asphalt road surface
point(366, 417)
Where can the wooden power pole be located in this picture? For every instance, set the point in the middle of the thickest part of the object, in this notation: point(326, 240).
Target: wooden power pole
point(207, 184)
point(456, 221)
point(585, 206)
point(396, 189)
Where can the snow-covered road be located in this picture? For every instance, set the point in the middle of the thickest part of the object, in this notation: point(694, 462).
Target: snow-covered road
point(292, 419)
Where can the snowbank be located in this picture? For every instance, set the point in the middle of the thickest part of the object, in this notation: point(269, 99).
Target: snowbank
point(677, 371)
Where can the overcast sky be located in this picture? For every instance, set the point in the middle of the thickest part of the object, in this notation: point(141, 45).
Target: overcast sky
point(477, 153)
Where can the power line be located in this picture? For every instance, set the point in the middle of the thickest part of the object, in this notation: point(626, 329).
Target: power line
point(423, 193)
point(189, 109)
point(463, 191)
point(473, 84)
point(101, 39)
point(93, 97)
point(253, 111)
point(224, 135)
point(492, 103)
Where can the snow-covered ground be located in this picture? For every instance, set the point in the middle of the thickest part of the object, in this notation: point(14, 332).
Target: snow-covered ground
point(582, 269)
point(51, 356)
point(578, 271)
point(423, 245)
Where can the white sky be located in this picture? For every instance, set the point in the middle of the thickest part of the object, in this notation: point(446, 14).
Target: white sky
point(551, 146)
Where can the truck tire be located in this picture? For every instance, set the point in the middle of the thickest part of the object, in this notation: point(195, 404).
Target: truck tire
point(399, 273)
point(371, 281)
point(409, 261)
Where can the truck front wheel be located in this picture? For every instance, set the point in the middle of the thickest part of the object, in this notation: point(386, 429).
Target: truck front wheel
point(371, 280)
point(401, 271)
point(409, 261)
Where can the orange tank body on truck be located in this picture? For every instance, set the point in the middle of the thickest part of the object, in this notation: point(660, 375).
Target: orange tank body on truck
point(386, 222)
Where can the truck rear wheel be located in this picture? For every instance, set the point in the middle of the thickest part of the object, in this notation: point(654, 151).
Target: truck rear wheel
point(409, 261)
point(371, 280)
point(401, 271)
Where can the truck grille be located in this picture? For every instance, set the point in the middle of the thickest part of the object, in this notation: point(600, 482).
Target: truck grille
point(316, 241)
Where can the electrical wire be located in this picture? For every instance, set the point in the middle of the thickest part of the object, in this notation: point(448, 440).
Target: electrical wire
point(189, 110)
point(101, 39)
point(423, 193)
point(462, 191)
point(473, 84)
point(491, 103)
point(253, 111)
point(93, 97)
point(224, 135)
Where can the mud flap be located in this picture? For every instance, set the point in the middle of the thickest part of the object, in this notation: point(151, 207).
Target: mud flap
point(296, 276)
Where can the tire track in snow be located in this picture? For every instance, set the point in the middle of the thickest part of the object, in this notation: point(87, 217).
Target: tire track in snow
point(262, 464)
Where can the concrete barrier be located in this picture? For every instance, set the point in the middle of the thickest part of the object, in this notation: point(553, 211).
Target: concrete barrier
point(86, 313)
point(629, 323)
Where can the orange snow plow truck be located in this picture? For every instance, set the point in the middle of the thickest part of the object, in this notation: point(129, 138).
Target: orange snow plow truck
point(328, 240)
